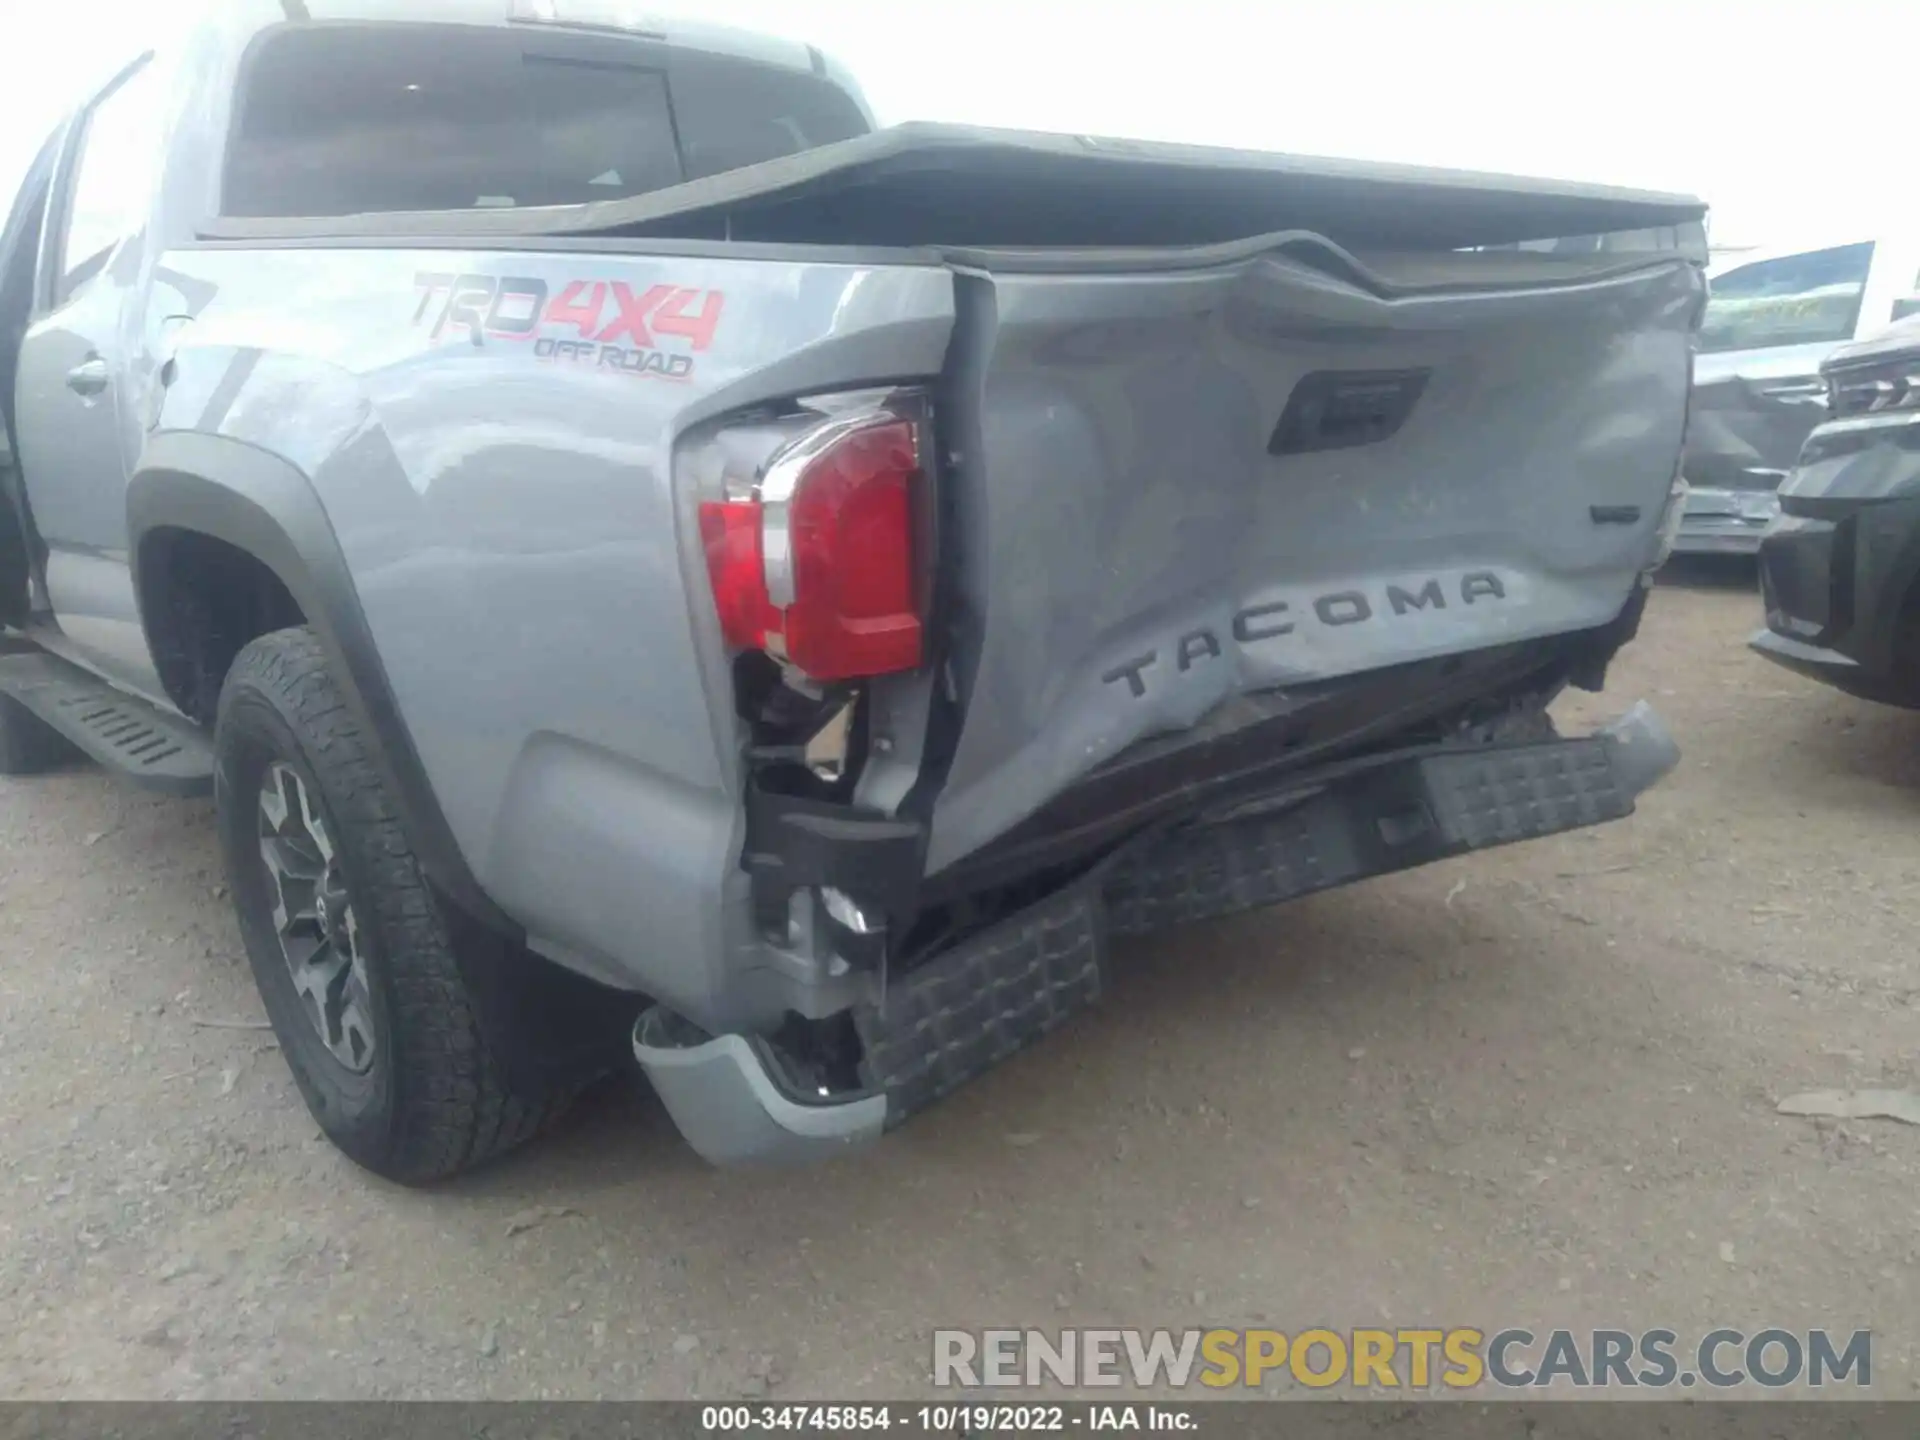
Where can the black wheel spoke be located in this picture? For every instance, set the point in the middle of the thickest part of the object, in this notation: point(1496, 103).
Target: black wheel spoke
point(313, 916)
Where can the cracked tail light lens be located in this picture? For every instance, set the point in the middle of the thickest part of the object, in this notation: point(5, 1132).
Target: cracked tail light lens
point(817, 567)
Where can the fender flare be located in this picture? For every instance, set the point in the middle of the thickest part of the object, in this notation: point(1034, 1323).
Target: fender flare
point(256, 501)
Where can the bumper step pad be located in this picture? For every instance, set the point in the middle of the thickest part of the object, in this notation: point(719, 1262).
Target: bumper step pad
point(967, 1010)
point(1372, 824)
point(964, 1012)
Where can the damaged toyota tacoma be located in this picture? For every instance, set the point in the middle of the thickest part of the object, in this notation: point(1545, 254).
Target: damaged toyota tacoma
point(647, 564)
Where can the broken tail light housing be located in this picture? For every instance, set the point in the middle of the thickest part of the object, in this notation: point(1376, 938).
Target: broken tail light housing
point(817, 565)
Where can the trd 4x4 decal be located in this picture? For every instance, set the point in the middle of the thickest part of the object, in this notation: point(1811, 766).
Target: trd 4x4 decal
point(602, 323)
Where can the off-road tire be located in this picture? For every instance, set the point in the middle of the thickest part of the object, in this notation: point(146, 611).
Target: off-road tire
point(28, 745)
point(434, 1101)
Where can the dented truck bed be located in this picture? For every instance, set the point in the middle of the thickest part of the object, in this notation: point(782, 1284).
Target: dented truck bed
point(1255, 560)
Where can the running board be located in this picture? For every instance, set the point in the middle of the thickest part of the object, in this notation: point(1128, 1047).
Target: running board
point(136, 740)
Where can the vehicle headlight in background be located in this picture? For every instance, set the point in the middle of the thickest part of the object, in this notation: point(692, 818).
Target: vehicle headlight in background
point(1874, 389)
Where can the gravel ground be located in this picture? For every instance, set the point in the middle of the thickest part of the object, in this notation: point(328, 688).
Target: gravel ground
point(1534, 1087)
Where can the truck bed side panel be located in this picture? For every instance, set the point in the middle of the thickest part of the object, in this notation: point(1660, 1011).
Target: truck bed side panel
point(504, 497)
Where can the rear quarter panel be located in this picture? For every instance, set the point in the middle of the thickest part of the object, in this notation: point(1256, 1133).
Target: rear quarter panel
point(504, 496)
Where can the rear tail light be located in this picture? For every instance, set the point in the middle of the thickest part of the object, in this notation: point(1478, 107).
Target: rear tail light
point(817, 565)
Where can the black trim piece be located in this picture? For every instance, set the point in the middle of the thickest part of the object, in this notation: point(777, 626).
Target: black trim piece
point(1341, 409)
point(793, 843)
point(1595, 649)
point(1843, 567)
point(252, 499)
point(138, 741)
point(1614, 514)
point(796, 1089)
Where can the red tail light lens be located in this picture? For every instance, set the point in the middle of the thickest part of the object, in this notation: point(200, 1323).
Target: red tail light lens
point(820, 566)
point(731, 535)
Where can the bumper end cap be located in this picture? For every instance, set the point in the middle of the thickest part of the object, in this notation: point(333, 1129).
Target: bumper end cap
point(1644, 750)
point(732, 1111)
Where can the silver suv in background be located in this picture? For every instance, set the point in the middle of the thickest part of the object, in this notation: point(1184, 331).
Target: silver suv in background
point(1757, 391)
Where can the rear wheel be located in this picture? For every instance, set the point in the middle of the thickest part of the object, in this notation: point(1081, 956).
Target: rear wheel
point(28, 745)
point(351, 949)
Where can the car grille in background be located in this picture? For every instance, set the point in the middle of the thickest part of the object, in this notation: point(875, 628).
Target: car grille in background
point(1871, 389)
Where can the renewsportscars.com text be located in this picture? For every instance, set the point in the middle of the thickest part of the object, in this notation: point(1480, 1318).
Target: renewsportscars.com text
point(1457, 1358)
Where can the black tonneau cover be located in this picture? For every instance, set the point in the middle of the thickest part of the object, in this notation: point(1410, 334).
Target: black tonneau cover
point(947, 186)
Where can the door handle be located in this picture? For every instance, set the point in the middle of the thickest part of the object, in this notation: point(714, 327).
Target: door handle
point(89, 377)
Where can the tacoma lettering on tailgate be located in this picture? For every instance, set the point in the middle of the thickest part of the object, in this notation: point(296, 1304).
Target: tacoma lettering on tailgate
point(1276, 618)
point(602, 323)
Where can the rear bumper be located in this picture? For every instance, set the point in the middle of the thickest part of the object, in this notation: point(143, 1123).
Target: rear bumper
point(959, 1014)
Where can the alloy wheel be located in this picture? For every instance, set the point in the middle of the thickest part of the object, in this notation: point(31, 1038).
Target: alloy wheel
point(314, 919)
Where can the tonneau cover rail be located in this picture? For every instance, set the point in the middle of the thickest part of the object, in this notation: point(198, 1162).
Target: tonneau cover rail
point(926, 184)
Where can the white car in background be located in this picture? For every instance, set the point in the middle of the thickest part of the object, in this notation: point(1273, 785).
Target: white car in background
point(1757, 392)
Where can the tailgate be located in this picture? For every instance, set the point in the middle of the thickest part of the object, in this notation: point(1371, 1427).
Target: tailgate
point(1181, 482)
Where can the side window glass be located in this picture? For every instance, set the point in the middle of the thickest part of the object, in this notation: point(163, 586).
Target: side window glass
point(108, 197)
point(733, 114)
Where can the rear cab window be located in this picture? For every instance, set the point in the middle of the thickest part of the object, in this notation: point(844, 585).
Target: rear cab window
point(345, 119)
point(1802, 299)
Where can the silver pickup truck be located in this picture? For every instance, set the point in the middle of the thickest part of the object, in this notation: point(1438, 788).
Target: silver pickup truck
point(640, 558)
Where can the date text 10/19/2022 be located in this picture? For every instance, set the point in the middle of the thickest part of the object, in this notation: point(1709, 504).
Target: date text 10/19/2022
point(946, 1419)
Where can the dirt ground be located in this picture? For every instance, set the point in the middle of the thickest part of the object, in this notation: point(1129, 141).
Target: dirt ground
point(1534, 1087)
